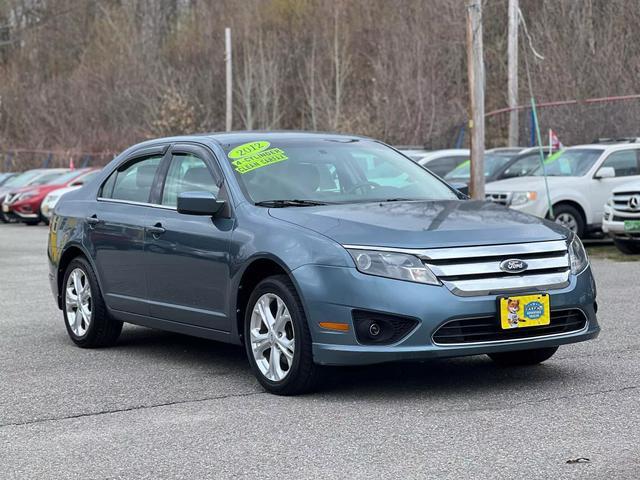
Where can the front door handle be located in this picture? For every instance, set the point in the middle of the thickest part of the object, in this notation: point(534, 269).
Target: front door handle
point(93, 220)
point(156, 230)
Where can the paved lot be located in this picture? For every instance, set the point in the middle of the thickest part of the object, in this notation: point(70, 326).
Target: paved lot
point(162, 405)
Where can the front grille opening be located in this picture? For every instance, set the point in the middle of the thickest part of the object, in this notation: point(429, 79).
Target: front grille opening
point(374, 328)
point(488, 329)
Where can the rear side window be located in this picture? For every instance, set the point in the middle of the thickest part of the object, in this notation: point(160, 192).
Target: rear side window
point(134, 182)
point(187, 173)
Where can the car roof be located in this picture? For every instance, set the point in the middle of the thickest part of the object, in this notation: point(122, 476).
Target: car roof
point(226, 138)
point(606, 146)
point(445, 153)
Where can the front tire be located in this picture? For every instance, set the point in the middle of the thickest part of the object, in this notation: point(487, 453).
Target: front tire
point(86, 318)
point(569, 217)
point(629, 247)
point(277, 338)
point(523, 357)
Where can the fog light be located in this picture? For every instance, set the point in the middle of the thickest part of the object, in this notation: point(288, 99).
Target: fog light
point(374, 329)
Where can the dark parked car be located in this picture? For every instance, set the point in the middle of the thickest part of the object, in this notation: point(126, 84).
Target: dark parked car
point(311, 250)
point(500, 164)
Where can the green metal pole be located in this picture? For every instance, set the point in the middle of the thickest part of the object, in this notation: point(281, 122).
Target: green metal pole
point(544, 170)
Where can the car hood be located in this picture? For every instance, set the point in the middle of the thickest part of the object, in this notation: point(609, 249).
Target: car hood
point(421, 224)
point(522, 184)
point(628, 187)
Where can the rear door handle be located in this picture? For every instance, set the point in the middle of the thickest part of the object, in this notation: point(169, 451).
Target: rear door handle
point(157, 229)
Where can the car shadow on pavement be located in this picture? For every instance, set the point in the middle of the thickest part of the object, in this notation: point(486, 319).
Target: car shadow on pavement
point(433, 378)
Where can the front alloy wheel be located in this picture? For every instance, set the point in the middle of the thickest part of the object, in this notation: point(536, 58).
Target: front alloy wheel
point(277, 338)
point(272, 337)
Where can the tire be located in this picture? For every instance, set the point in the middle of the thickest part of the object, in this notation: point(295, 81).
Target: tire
point(564, 213)
point(302, 374)
point(523, 357)
point(629, 247)
point(43, 219)
point(101, 330)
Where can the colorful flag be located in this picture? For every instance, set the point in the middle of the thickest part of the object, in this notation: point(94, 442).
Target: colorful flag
point(554, 141)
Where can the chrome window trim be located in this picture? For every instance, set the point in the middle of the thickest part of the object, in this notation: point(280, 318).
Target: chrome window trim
point(451, 253)
point(512, 340)
point(139, 204)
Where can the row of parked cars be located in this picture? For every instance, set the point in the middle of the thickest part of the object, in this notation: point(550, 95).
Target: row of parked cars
point(592, 188)
point(30, 196)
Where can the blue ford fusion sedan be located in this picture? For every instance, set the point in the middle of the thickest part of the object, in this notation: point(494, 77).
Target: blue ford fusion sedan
point(312, 250)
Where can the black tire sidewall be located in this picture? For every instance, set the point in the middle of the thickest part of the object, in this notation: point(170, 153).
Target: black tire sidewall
point(560, 209)
point(277, 286)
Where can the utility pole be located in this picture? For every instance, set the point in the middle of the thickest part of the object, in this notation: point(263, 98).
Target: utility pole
point(512, 66)
point(475, 73)
point(227, 59)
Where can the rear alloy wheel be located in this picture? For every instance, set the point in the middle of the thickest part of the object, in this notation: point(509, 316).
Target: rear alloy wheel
point(86, 318)
point(630, 247)
point(569, 217)
point(523, 357)
point(277, 338)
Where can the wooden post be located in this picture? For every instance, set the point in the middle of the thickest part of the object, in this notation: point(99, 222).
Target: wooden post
point(475, 73)
point(227, 59)
point(512, 73)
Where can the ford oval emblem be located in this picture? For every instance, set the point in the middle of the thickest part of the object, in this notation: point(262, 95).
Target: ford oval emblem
point(513, 265)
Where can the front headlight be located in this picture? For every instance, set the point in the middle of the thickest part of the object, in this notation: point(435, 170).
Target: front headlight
point(520, 198)
point(400, 266)
point(24, 196)
point(577, 256)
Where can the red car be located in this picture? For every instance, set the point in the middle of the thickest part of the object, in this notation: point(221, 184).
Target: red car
point(24, 203)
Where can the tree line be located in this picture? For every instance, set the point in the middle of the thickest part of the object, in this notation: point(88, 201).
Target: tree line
point(98, 75)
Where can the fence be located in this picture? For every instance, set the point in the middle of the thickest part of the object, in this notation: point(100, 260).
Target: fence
point(17, 159)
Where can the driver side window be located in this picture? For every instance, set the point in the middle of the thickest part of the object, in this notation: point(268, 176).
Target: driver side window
point(187, 173)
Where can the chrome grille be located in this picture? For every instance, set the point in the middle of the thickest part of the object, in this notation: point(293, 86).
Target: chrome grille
point(621, 203)
point(468, 271)
point(501, 198)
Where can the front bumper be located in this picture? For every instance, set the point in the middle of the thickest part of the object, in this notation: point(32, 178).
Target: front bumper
point(330, 294)
point(613, 224)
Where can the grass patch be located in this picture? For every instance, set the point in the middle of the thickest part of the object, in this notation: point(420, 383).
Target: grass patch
point(608, 251)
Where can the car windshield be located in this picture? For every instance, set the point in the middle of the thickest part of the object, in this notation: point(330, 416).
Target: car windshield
point(47, 178)
point(61, 178)
point(330, 171)
point(22, 179)
point(570, 163)
point(491, 163)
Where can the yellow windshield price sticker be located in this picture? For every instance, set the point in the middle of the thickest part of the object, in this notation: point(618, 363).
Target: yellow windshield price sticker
point(250, 156)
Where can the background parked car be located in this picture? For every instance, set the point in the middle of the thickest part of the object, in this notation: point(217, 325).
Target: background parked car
point(494, 160)
point(580, 181)
point(442, 162)
point(621, 218)
point(415, 153)
point(38, 176)
point(4, 177)
point(24, 204)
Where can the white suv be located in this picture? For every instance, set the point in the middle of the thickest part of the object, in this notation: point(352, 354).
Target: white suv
point(580, 180)
point(622, 217)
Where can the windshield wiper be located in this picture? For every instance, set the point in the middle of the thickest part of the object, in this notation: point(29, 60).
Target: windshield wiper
point(289, 203)
point(398, 199)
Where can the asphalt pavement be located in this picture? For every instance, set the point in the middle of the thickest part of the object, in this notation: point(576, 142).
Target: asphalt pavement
point(161, 405)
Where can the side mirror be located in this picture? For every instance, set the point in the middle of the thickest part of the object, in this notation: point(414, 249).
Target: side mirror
point(463, 188)
point(199, 203)
point(605, 172)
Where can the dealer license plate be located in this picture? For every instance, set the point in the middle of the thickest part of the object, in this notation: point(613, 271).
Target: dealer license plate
point(524, 311)
point(632, 225)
